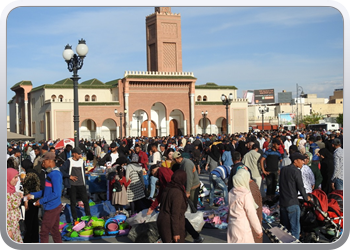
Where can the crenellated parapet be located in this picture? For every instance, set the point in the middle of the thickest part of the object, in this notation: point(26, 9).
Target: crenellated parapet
point(156, 73)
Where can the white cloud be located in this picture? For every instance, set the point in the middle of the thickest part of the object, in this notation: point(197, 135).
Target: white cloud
point(275, 16)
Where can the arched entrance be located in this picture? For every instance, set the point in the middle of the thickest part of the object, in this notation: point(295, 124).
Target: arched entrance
point(176, 123)
point(144, 129)
point(88, 129)
point(158, 116)
point(136, 124)
point(224, 126)
point(221, 126)
point(108, 130)
point(204, 126)
point(173, 127)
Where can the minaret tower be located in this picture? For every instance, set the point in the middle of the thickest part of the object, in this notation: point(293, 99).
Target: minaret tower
point(163, 34)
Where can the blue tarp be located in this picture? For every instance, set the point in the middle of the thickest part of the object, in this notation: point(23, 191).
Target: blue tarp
point(97, 184)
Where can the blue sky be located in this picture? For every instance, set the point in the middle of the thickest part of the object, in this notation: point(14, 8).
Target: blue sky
point(248, 47)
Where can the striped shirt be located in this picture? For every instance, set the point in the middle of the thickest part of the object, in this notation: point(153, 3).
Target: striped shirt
point(273, 157)
point(338, 157)
point(222, 171)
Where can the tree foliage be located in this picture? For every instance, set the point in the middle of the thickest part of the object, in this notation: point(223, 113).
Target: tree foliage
point(313, 118)
point(339, 119)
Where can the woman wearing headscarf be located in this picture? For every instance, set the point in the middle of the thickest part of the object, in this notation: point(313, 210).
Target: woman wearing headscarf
point(31, 183)
point(213, 159)
point(171, 218)
point(327, 169)
point(242, 216)
point(13, 206)
point(242, 147)
point(255, 190)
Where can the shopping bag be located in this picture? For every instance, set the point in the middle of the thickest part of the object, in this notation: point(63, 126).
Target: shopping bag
point(144, 233)
point(196, 219)
point(142, 217)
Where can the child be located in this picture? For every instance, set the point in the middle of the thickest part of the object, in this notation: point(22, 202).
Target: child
point(120, 197)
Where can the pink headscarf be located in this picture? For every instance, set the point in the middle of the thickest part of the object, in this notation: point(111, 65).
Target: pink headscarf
point(11, 172)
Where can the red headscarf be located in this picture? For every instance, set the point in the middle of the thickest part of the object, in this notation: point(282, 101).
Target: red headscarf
point(11, 172)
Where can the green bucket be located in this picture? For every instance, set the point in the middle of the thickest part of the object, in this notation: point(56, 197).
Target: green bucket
point(98, 223)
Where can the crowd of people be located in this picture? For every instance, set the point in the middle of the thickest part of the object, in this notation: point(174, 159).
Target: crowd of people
point(249, 168)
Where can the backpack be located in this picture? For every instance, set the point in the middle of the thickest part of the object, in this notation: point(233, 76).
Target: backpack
point(117, 187)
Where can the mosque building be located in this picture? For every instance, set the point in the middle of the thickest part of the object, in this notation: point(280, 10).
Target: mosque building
point(164, 100)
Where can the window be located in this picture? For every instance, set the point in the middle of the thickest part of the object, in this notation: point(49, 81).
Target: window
point(41, 127)
point(204, 98)
point(93, 98)
point(42, 100)
point(33, 102)
point(60, 98)
point(33, 127)
point(87, 98)
point(53, 97)
point(199, 98)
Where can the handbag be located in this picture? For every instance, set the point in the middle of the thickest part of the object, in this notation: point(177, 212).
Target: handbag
point(21, 222)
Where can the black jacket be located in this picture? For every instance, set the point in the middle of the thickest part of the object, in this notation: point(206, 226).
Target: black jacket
point(290, 183)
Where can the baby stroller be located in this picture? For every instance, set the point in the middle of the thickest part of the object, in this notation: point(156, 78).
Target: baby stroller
point(322, 218)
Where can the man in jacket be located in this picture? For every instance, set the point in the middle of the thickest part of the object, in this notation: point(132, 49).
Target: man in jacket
point(143, 158)
point(73, 171)
point(251, 160)
point(112, 156)
point(50, 198)
point(37, 162)
point(62, 157)
point(290, 183)
point(97, 153)
point(192, 183)
point(273, 158)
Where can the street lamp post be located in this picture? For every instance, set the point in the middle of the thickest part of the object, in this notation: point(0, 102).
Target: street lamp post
point(75, 63)
point(227, 102)
point(296, 100)
point(120, 115)
point(262, 111)
point(204, 114)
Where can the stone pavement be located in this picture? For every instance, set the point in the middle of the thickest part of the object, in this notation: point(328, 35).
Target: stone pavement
point(210, 235)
